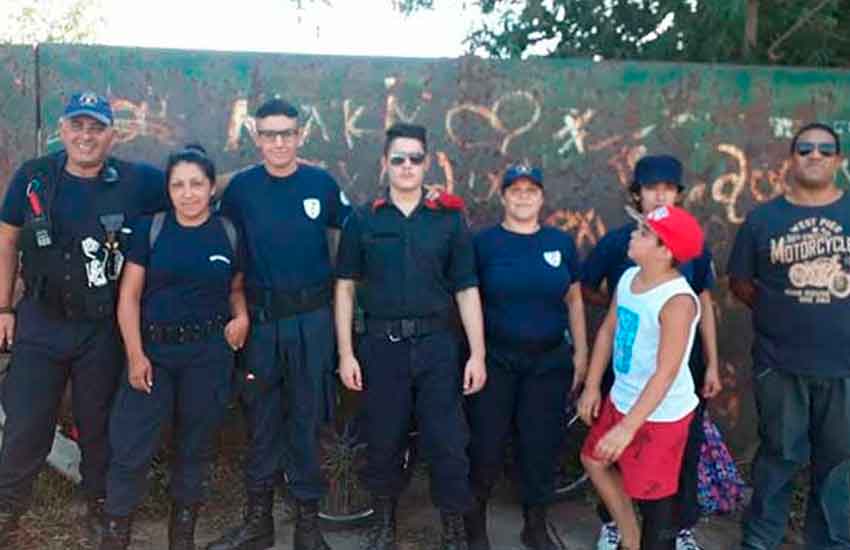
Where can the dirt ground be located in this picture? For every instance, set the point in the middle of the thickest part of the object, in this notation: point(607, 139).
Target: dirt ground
point(53, 524)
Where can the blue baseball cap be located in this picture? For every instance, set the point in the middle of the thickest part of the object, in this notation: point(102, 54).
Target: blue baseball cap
point(653, 169)
point(89, 104)
point(517, 171)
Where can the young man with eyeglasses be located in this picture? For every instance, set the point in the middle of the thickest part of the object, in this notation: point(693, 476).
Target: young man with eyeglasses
point(413, 259)
point(791, 266)
point(284, 209)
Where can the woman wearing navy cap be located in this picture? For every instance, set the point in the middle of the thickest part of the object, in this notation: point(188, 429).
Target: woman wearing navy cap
point(182, 315)
point(536, 354)
point(658, 182)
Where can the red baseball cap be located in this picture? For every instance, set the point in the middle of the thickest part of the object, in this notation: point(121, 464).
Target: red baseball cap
point(677, 229)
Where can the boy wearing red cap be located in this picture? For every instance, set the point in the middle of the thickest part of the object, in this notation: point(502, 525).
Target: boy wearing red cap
point(635, 445)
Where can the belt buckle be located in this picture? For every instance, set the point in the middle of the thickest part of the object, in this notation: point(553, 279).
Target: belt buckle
point(408, 328)
point(392, 337)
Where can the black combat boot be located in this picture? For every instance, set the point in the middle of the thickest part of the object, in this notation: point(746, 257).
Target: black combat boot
point(116, 532)
point(454, 532)
point(94, 518)
point(381, 532)
point(475, 522)
point(8, 527)
point(181, 526)
point(257, 529)
point(307, 534)
point(537, 533)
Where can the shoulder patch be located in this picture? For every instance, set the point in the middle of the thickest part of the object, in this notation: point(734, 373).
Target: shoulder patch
point(445, 201)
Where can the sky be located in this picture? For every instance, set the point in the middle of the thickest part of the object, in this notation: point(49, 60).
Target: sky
point(347, 27)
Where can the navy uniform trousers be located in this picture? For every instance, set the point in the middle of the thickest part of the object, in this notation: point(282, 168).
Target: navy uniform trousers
point(191, 389)
point(49, 351)
point(524, 398)
point(294, 358)
point(416, 376)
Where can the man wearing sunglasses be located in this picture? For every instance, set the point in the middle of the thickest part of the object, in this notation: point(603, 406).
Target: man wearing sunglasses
point(413, 258)
point(791, 266)
point(283, 209)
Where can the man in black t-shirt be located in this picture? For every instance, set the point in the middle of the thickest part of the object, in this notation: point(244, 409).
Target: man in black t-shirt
point(791, 265)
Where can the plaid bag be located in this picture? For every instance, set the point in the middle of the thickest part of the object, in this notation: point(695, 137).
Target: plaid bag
point(720, 487)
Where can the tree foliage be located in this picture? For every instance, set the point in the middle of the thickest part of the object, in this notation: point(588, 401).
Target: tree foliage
point(35, 21)
point(788, 32)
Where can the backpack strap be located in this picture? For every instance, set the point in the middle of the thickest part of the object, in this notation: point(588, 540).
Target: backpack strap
point(229, 230)
point(232, 234)
point(156, 228)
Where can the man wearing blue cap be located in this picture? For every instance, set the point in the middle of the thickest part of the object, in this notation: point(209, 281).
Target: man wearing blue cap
point(67, 214)
point(658, 182)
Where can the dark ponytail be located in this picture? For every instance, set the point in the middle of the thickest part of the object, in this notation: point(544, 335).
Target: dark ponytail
point(193, 153)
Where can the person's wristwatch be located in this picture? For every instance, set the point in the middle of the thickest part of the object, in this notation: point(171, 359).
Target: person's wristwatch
point(7, 309)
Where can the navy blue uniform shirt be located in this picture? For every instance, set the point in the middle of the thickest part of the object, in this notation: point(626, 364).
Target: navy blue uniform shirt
point(609, 260)
point(407, 267)
point(523, 282)
point(284, 222)
point(799, 259)
point(188, 273)
point(143, 192)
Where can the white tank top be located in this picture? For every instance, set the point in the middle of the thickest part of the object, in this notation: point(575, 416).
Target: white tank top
point(636, 340)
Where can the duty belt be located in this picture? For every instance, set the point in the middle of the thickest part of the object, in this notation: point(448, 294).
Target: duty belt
point(403, 329)
point(269, 305)
point(182, 333)
point(67, 306)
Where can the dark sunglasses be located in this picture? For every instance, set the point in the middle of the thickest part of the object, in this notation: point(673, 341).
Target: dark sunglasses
point(271, 135)
point(415, 159)
point(806, 148)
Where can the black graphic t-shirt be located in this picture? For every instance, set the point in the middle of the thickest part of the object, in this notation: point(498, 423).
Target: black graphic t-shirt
point(799, 259)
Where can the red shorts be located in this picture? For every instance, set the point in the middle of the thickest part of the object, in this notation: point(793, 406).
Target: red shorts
point(651, 463)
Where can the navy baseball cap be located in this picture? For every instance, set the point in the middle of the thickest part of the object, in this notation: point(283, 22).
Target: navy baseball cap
point(89, 104)
point(517, 171)
point(653, 169)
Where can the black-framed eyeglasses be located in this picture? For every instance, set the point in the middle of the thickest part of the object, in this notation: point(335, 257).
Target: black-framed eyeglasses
point(826, 149)
point(285, 135)
point(415, 159)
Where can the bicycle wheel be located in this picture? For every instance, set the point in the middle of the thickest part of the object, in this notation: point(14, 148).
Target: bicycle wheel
point(570, 476)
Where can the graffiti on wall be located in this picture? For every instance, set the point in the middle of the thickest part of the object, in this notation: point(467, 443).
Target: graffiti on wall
point(586, 125)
